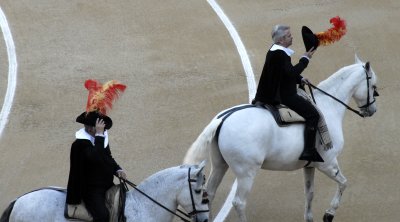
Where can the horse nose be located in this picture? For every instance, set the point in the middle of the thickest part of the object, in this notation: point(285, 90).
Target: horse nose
point(372, 110)
point(200, 219)
point(369, 112)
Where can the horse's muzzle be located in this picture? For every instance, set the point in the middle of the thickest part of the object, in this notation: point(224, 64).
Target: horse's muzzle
point(369, 111)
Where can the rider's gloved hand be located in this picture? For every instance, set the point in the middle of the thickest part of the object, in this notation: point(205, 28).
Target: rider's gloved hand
point(305, 81)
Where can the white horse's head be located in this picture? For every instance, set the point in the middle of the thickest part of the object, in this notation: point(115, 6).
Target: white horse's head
point(366, 91)
point(193, 198)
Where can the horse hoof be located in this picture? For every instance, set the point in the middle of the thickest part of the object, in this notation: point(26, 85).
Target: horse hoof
point(328, 217)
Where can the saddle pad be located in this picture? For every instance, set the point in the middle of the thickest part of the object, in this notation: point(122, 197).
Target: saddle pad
point(79, 211)
point(283, 115)
point(113, 202)
point(290, 116)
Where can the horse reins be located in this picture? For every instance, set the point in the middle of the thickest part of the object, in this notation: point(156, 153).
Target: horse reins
point(189, 215)
point(310, 85)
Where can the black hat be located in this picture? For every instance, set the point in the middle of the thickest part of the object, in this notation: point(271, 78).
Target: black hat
point(333, 34)
point(309, 38)
point(91, 117)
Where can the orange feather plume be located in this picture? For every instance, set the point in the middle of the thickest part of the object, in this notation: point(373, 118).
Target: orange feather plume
point(333, 34)
point(101, 97)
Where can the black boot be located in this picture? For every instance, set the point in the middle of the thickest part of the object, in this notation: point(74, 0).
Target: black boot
point(309, 152)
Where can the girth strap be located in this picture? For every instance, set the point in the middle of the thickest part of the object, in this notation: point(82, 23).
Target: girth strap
point(229, 112)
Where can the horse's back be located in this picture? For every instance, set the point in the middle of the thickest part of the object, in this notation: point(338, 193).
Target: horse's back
point(254, 135)
point(41, 205)
point(256, 123)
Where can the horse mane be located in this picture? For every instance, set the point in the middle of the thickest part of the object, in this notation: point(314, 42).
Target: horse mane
point(176, 172)
point(340, 75)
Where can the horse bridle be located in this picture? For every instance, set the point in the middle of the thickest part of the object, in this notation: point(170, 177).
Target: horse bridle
point(375, 94)
point(204, 201)
point(189, 215)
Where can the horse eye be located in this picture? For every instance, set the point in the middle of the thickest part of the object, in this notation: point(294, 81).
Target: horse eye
point(197, 191)
point(205, 198)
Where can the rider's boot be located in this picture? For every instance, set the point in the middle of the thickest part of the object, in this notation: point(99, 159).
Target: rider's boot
point(309, 152)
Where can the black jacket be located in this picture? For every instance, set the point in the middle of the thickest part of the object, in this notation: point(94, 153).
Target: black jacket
point(279, 78)
point(90, 167)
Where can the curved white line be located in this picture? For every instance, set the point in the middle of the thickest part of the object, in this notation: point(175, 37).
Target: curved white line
point(251, 84)
point(12, 72)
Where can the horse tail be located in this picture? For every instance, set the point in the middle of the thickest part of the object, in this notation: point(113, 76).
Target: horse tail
point(199, 149)
point(5, 217)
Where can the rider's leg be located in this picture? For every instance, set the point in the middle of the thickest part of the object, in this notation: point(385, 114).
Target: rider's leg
point(311, 115)
point(95, 202)
point(310, 153)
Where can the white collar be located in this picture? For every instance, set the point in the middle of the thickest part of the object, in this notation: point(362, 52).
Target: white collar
point(82, 134)
point(288, 51)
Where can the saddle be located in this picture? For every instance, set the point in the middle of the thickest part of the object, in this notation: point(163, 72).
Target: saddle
point(115, 202)
point(283, 115)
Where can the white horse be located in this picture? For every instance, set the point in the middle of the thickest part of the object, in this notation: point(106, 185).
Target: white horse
point(180, 185)
point(250, 140)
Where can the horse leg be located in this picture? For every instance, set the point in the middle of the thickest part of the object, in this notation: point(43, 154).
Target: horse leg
point(309, 192)
point(215, 178)
point(218, 170)
point(245, 180)
point(333, 172)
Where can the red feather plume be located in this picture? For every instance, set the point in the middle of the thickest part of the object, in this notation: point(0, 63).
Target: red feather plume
point(101, 97)
point(333, 34)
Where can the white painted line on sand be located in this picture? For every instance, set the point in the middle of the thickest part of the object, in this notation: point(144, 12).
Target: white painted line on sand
point(251, 85)
point(12, 72)
point(226, 208)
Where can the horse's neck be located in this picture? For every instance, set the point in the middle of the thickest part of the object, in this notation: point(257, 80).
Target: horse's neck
point(163, 187)
point(341, 85)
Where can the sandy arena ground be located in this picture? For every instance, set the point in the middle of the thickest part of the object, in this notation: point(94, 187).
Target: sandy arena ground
point(181, 68)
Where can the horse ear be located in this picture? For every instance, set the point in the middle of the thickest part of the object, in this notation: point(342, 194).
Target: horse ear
point(202, 165)
point(197, 170)
point(358, 60)
point(367, 66)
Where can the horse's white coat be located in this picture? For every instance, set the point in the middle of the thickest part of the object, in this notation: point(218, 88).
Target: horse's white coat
point(250, 139)
point(169, 187)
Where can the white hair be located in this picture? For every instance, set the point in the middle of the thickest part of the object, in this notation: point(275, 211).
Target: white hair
point(278, 32)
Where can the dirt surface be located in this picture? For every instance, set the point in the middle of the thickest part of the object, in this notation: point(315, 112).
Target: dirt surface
point(181, 68)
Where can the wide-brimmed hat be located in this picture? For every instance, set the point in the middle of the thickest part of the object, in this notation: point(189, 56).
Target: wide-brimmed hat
point(327, 37)
point(309, 38)
point(91, 117)
point(100, 100)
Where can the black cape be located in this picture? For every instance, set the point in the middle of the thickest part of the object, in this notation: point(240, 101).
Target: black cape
point(279, 77)
point(90, 166)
